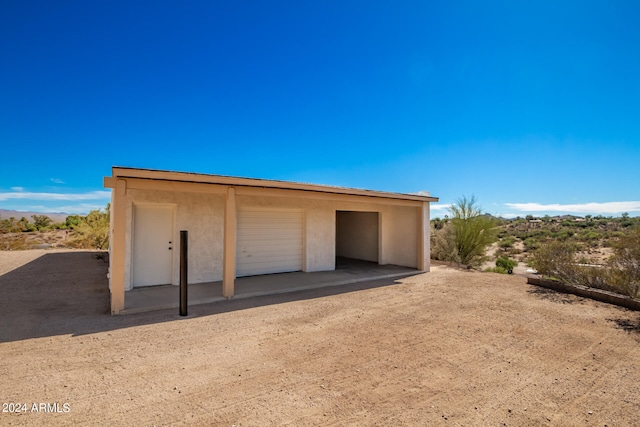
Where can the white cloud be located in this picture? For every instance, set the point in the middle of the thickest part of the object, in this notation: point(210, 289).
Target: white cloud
point(56, 180)
point(23, 195)
point(17, 188)
point(422, 193)
point(507, 216)
point(439, 207)
point(584, 208)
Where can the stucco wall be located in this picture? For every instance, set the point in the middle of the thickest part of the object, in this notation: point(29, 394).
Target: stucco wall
point(400, 236)
point(398, 228)
point(203, 216)
point(357, 235)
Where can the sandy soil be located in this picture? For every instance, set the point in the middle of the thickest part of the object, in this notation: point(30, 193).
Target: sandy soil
point(450, 347)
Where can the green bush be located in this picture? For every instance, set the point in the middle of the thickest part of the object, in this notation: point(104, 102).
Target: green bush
point(93, 230)
point(531, 244)
point(41, 222)
point(506, 243)
point(506, 263)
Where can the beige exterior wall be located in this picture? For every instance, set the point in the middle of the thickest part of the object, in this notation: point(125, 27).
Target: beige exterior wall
point(202, 215)
point(208, 210)
point(399, 236)
point(398, 228)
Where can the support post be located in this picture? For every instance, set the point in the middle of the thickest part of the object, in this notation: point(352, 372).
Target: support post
point(184, 263)
point(229, 254)
point(424, 239)
point(118, 245)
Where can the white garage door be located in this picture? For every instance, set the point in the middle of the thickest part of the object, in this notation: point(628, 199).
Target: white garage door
point(268, 241)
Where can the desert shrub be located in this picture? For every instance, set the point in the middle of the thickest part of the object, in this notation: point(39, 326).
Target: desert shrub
point(563, 234)
point(531, 244)
point(558, 260)
point(9, 226)
point(442, 243)
point(93, 230)
point(503, 233)
point(438, 223)
point(506, 263)
point(506, 243)
point(514, 251)
point(624, 265)
point(551, 259)
point(589, 235)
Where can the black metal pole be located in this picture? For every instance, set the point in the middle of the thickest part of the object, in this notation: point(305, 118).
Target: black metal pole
point(184, 261)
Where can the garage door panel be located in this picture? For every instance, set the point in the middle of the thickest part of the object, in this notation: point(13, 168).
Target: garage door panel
point(269, 241)
point(269, 257)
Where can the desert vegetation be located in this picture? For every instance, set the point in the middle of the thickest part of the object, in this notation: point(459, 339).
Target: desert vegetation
point(619, 273)
point(465, 236)
point(89, 231)
point(594, 251)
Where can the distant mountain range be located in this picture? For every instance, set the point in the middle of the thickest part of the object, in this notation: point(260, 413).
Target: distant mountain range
point(55, 217)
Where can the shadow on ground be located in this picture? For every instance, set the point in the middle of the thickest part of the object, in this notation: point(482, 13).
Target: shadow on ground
point(555, 296)
point(68, 293)
point(628, 324)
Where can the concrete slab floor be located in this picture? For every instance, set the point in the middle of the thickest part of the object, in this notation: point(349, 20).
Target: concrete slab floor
point(347, 271)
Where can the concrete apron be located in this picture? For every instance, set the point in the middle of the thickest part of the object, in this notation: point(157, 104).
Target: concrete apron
point(152, 298)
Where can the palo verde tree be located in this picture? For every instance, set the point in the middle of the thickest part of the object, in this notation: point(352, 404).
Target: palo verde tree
point(473, 231)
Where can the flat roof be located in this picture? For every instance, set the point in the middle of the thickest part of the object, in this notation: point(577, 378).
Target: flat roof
point(164, 175)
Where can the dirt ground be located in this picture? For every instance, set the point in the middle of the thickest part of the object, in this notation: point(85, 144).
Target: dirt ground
point(449, 347)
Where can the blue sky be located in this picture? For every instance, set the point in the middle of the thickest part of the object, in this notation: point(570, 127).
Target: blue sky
point(533, 107)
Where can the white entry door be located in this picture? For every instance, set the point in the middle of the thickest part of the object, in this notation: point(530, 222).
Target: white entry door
point(153, 245)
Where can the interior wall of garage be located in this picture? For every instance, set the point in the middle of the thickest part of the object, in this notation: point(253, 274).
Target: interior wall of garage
point(357, 235)
point(203, 216)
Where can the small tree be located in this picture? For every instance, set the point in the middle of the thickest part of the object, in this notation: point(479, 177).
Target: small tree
point(473, 231)
point(72, 221)
point(41, 221)
point(25, 225)
point(93, 230)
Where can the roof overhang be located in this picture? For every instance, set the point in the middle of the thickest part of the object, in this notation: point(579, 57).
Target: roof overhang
point(119, 172)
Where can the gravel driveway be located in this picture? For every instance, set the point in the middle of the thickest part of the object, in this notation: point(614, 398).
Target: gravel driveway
point(449, 347)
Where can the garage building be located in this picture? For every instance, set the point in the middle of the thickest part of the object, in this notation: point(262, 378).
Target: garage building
point(242, 227)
